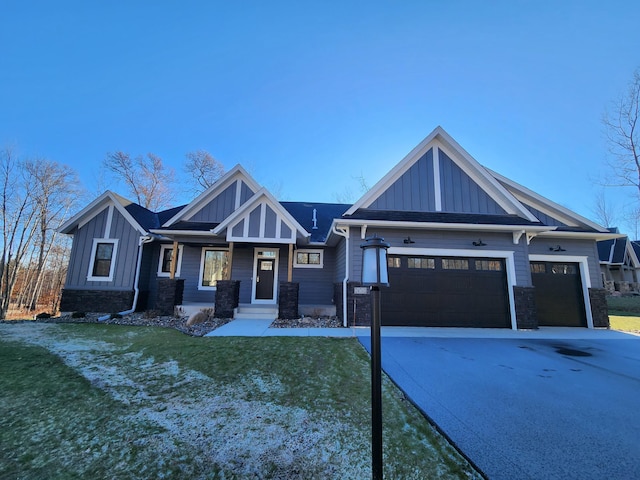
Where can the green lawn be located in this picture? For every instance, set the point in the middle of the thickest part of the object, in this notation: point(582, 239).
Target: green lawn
point(104, 401)
point(624, 313)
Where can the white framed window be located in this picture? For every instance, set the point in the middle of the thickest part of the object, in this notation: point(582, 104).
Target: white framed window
point(308, 259)
point(103, 260)
point(214, 266)
point(164, 263)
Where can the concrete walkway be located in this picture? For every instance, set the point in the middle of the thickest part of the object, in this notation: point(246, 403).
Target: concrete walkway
point(260, 328)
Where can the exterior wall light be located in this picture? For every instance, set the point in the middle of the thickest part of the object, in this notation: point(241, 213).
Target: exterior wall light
point(375, 274)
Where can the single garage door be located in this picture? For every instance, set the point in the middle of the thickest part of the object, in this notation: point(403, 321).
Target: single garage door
point(446, 292)
point(558, 294)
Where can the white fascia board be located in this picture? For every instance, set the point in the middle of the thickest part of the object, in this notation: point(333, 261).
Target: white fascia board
point(194, 233)
point(209, 194)
point(632, 254)
point(97, 206)
point(547, 206)
point(579, 235)
point(395, 173)
point(442, 226)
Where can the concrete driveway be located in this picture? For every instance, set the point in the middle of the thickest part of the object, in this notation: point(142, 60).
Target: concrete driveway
point(528, 407)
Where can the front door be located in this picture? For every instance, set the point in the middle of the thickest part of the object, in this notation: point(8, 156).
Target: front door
point(264, 279)
point(265, 275)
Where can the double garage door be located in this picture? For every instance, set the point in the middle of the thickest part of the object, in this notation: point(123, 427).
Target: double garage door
point(433, 291)
point(437, 291)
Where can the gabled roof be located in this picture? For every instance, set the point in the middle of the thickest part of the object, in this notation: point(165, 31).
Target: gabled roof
point(441, 139)
point(139, 217)
point(243, 214)
point(564, 215)
point(236, 173)
point(616, 251)
point(316, 218)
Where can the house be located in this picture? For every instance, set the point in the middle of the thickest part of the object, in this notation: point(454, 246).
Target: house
point(619, 264)
point(468, 248)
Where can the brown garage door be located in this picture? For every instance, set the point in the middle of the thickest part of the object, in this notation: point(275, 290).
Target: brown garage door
point(446, 292)
point(558, 294)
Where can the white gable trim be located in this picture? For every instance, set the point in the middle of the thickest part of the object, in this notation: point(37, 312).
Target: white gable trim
point(261, 199)
point(107, 200)
point(546, 206)
point(237, 174)
point(439, 139)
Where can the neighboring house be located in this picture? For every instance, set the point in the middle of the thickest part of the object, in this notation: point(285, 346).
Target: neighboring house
point(619, 263)
point(469, 247)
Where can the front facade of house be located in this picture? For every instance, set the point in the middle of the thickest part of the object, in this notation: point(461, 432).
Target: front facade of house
point(468, 248)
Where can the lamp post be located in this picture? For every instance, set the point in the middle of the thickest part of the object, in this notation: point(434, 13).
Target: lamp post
point(375, 274)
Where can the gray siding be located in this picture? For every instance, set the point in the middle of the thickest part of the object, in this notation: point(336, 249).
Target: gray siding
point(580, 248)
point(219, 208)
point(413, 191)
point(125, 259)
point(460, 194)
point(544, 218)
point(245, 193)
point(316, 284)
point(341, 263)
point(449, 241)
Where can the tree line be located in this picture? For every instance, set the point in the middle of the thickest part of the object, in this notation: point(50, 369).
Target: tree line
point(39, 195)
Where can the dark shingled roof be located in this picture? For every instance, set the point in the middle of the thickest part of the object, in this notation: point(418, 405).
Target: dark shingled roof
point(192, 226)
point(619, 248)
point(440, 217)
point(148, 219)
point(325, 213)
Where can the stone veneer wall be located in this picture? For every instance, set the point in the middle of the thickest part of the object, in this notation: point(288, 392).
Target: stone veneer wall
point(288, 300)
point(599, 307)
point(169, 295)
point(358, 304)
point(227, 298)
point(102, 301)
point(525, 307)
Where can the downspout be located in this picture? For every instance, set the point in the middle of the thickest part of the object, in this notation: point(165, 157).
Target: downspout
point(136, 290)
point(344, 233)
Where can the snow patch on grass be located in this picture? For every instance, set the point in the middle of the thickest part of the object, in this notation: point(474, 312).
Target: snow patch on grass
point(189, 421)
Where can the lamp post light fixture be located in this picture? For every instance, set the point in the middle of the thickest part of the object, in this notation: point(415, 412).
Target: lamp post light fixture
point(375, 274)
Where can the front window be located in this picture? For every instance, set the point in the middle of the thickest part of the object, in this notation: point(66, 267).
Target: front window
point(308, 259)
point(164, 266)
point(102, 260)
point(214, 266)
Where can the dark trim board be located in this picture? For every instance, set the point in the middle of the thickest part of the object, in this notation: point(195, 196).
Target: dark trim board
point(433, 291)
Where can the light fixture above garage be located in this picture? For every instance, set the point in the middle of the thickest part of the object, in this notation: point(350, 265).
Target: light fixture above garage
point(408, 241)
point(479, 243)
point(557, 248)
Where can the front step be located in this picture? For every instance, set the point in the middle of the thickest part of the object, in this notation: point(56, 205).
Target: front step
point(255, 312)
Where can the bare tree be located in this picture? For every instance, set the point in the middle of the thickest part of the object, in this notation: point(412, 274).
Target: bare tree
point(623, 136)
point(203, 168)
point(605, 213)
point(348, 195)
point(146, 178)
point(55, 193)
point(18, 224)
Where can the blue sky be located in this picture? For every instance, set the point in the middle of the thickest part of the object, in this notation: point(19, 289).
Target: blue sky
point(308, 95)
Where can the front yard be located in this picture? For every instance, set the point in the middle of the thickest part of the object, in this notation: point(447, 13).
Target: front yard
point(105, 401)
point(624, 313)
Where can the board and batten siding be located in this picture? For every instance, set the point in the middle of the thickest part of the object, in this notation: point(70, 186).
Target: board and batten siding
point(460, 193)
point(219, 208)
point(413, 191)
point(544, 218)
point(125, 259)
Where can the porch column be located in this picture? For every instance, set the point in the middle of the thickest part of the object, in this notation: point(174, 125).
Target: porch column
point(290, 266)
point(174, 261)
point(230, 261)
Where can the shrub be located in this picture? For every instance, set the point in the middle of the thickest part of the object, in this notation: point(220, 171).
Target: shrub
point(43, 315)
point(78, 315)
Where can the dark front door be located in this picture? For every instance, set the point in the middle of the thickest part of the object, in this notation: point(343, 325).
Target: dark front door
point(264, 279)
point(558, 294)
point(433, 291)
